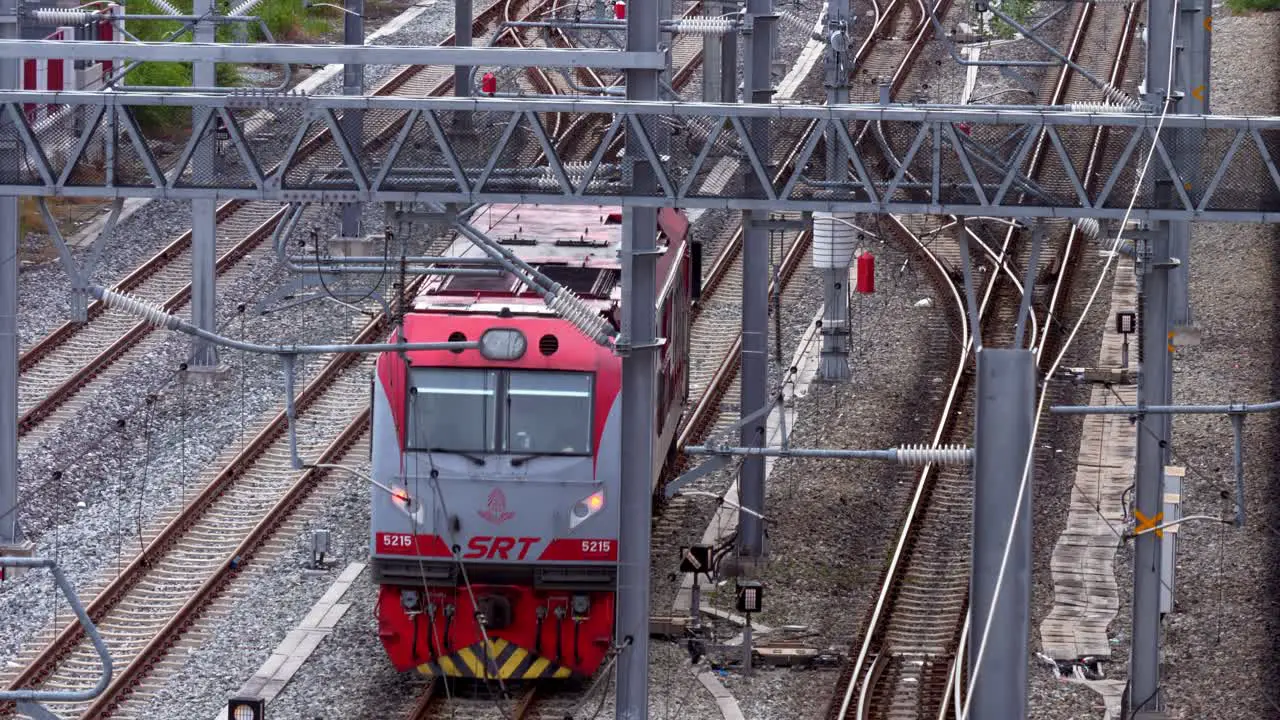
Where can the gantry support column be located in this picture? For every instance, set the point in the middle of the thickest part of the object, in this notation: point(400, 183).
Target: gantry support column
point(204, 238)
point(834, 363)
point(713, 57)
point(1191, 83)
point(1155, 379)
point(755, 292)
point(1002, 440)
point(462, 20)
point(352, 120)
point(639, 397)
point(1155, 385)
point(9, 314)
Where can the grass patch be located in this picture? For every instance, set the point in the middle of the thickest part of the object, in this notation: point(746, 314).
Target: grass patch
point(1019, 10)
point(286, 19)
point(1249, 5)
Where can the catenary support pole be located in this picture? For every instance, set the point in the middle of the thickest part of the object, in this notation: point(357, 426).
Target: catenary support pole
point(1155, 387)
point(204, 233)
point(1002, 439)
point(462, 20)
point(1191, 79)
point(8, 317)
point(834, 363)
point(713, 57)
point(352, 84)
point(1155, 379)
point(755, 294)
point(639, 395)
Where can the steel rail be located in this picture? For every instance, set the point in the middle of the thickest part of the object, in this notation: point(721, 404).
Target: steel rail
point(1114, 78)
point(174, 252)
point(116, 589)
point(871, 676)
point(189, 517)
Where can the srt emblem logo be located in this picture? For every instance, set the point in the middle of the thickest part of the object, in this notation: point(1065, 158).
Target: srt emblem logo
point(497, 512)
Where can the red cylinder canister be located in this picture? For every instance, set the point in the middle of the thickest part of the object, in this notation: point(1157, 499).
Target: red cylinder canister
point(488, 84)
point(866, 273)
point(620, 10)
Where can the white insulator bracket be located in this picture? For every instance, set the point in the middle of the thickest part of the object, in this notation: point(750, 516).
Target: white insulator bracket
point(1090, 227)
point(166, 7)
point(141, 308)
point(703, 26)
point(941, 455)
point(243, 8)
point(60, 16)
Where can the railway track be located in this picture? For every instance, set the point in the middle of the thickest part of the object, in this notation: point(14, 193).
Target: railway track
point(60, 372)
point(910, 664)
point(147, 607)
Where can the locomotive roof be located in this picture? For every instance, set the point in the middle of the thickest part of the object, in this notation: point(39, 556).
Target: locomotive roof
point(576, 246)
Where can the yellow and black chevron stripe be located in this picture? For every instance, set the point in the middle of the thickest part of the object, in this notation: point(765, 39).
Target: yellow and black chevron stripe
point(503, 661)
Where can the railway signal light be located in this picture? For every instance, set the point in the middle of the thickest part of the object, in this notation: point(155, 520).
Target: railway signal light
point(1126, 322)
point(245, 708)
point(750, 596)
point(696, 559)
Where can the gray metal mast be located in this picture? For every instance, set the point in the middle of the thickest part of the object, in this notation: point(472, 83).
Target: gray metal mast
point(755, 290)
point(1191, 82)
point(1002, 440)
point(639, 380)
point(1155, 387)
point(9, 314)
point(204, 232)
point(834, 364)
point(462, 20)
point(712, 55)
point(352, 84)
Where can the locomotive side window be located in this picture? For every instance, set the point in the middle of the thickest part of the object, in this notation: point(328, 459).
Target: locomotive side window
point(549, 413)
point(453, 410)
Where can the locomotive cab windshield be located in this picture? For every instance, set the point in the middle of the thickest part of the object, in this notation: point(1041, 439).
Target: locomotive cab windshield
point(523, 412)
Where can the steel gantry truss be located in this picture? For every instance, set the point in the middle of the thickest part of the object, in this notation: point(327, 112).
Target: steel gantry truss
point(902, 159)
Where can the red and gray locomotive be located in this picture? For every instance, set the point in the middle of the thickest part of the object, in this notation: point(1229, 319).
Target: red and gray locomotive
point(495, 529)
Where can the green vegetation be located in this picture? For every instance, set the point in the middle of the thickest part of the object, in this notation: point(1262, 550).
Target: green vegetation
point(286, 19)
point(1019, 10)
point(1247, 5)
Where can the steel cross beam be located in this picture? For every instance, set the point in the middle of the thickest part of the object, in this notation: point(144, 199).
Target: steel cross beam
point(325, 54)
point(963, 161)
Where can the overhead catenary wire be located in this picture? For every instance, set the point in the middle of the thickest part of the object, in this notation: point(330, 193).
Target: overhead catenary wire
point(975, 671)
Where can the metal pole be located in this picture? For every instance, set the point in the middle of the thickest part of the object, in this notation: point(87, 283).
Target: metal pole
point(639, 396)
point(712, 57)
point(1154, 388)
point(462, 19)
point(1002, 440)
point(1191, 77)
point(204, 234)
point(352, 120)
point(729, 65)
point(834, 363)
point(9, 314)
point(755, 299)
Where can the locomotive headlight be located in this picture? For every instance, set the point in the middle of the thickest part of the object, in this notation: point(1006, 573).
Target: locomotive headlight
point(400, 497)
point(586, 507)
point(503, 344)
